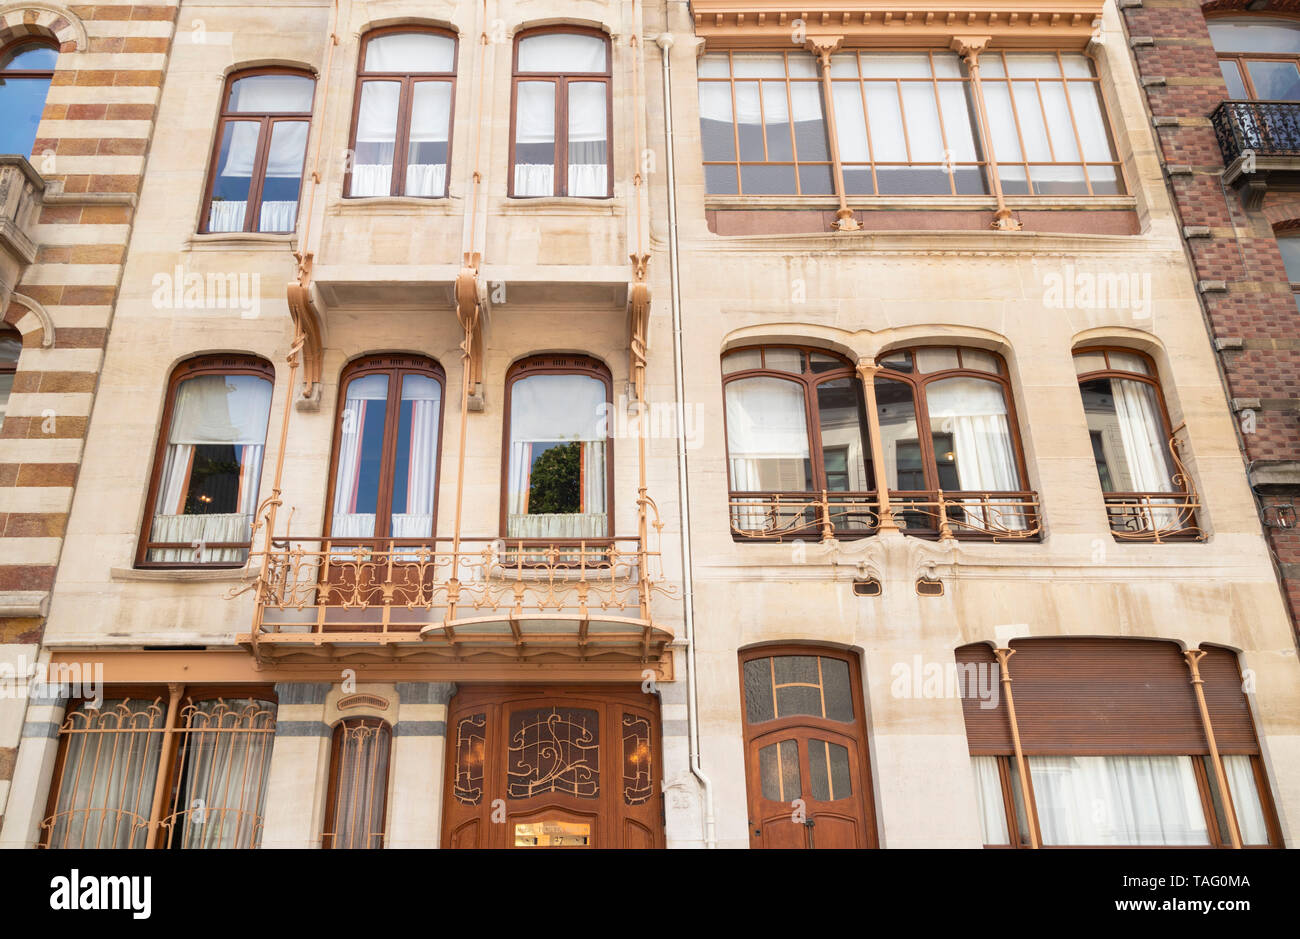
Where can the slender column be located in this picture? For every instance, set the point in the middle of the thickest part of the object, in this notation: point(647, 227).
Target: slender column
point(867, 372)
point(1031, 816)
point(969, 48)
point(1194, 657)
point(164, 764)
point(824, 47)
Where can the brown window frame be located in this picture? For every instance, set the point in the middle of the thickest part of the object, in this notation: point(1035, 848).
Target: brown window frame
point(1241, 60)
point(395, 366)
point(171, 764)
point(385, 732)
point(561, 81)
point(557, 364)
point(406, 96)
point(9, 368)
point(809, 380)
point(235, 364)
point(752, 732)
point(267, 121)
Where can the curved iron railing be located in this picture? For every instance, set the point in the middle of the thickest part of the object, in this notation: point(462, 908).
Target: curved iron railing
point(1262, 128)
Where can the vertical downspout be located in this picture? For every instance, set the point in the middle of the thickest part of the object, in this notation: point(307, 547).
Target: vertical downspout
point(665, 43)
point(164, 758)
point(1194, 657)
point(1031, 815)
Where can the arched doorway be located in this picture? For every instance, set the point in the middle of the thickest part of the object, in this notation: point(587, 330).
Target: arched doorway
point(806, 767)
point(553, 767)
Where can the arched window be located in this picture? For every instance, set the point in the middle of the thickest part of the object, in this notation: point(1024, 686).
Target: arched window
point(1259, 57)
point(208, 464)
point(1130, 435)
point(563, 109)
point(947, 424)
point(559, 457)
point(386, 446)
point(11, 345)
point(805, 740)
point(26, 70)
point(401, 135)
point(256, 171)
point(357, 802)
point(796, 425)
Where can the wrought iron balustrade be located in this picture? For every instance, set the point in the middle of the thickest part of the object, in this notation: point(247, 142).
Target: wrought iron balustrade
point(1261, 128)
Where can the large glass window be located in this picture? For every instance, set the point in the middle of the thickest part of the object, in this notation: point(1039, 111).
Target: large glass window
point(1259, 57)
point(558, 464)
point(256, 171)
point(906, 124)
point(402, 127)
point(26, 70)
point(560, 144)
point(208, 465)
point(386, 449)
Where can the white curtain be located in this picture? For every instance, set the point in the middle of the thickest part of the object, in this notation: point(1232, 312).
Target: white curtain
point(588, 135)
point(1146, 452)
point(362, 786)
point(1118, 800)
point(974, 412)
point(376, 136)
point(988, 797)
point(416, 519)
point(211, 410)
point(109, 771)
point(410, 52)
point(284, 161)
point(347, 522)
point(563, 53)
point(227, 756)
point(1245, 799)
point(767, 442)
point(430, 124)
point(535, 125)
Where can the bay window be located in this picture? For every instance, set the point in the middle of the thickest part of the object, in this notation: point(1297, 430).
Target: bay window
point(385, 467)
point(559, 461)
point(26, 71)
point(208, 464)
point(402, 125)
point(1146, 493)
point(906, 123)
point(562, 112)
point(261, 147)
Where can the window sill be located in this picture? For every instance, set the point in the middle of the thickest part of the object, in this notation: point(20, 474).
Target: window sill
point(930, 203)
point(397, 205)
point(245, 240)
point(561, 205)
point(180, 575)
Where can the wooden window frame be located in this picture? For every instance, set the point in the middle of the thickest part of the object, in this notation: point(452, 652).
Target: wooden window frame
point(406, 97)
point(395, 366)
point(561, 82)
point(237, 364)
point(557, 364)
point(335, 767)
point(169, 764)
point(983, 144)
point(267, 121)
point(1241, 60)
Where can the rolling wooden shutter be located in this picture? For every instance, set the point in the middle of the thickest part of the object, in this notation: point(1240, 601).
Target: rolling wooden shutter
point(1108, 696)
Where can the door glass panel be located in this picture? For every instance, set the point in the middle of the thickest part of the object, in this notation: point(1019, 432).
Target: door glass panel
point(552, 834)
point(778, 767)
point(553, 750)
point(798, 688)
point(836, 689)
point(759, 705)
point(828, 766)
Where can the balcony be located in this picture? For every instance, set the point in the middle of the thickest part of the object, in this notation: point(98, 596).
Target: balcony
point(21, 189)
point(1260, 141)
point(1153, 516)
point(966, 516)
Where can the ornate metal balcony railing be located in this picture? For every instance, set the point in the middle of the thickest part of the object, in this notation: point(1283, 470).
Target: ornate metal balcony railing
point(788, 516)
point(1263, 128)
point(1158, 516)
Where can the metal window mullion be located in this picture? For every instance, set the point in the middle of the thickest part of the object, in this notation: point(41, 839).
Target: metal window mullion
point(1074, 124)
point(1015, 117)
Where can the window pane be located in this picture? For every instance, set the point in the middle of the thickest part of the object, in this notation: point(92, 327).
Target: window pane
point(372, 168)
point(235, 157)
point(1290, 248)
point(1085, 102)
point(410, 52)
point(989, 801)
point(842, 415)
point(360, 786)
point(284, 163)
point(535, 139)
point(767, 436)
point(415, 468)
point(778, 769)
point(764, 65)
point(936, 359)
point(721, 180)
point(739, 361)
point(1232, 78)
point(1127, 431)
point(562, 53)
point(1089, 362)
point(897, 414)
point(1245, 799)
point(981, 360)
point(1032, 65)
point(588, 148)
point(750, 120)
point(837, 690)
point(759, 706)
point(715, 65)
point(22, 100)
point(776, 121)
point(6, 389)
point(361, 443)
point(1254, 34)
point(886, 118)
point(1118, 800)
point(1129, 362)
point(717, 135)
point(828, 769)
point(972, 437)
point(34, 57)
point(1275, 81)
point(809, 121)
point(426, 156)
point(272, 94)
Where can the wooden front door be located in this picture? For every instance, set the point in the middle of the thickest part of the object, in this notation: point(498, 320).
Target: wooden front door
point(571, 767)
point(807, 774)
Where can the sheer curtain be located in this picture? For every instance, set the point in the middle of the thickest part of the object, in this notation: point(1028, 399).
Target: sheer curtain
point(1146, 452)
point(347, 522)
point(109, 771)
point(227, 757)
point(988, 798)
point(534, 129)
point(551, 409)
point(1118, 800)
point(767, 443)
point(372, 170)
point(974, 412)
point(229, 410)
point(415, 518)
point(430, 124)
point(284, 162)
point(361, 786)
point(588, 135)
point(568, 54)
point(1245, 799)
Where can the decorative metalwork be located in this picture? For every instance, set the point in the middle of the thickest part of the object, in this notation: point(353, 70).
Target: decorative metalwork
point(987, 516)
point(471, 737)
point(1265, 128)
point(360, 784)
point(779, 516)
point(553, 750)
point(637, 759)
point(1158, 516)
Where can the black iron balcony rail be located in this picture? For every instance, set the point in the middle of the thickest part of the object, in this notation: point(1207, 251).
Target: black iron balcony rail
point(1257, 128)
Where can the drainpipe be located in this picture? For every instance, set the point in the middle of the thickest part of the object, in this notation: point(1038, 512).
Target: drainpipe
point(665, 43)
